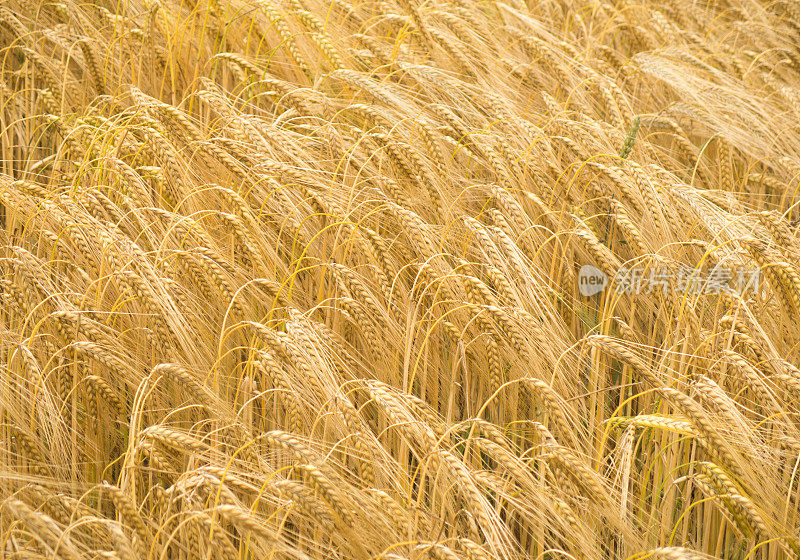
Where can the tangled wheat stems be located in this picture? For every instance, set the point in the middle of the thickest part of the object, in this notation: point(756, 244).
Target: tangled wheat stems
point(301, 279)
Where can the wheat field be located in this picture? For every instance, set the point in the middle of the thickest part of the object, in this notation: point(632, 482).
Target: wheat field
point(459, 280)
